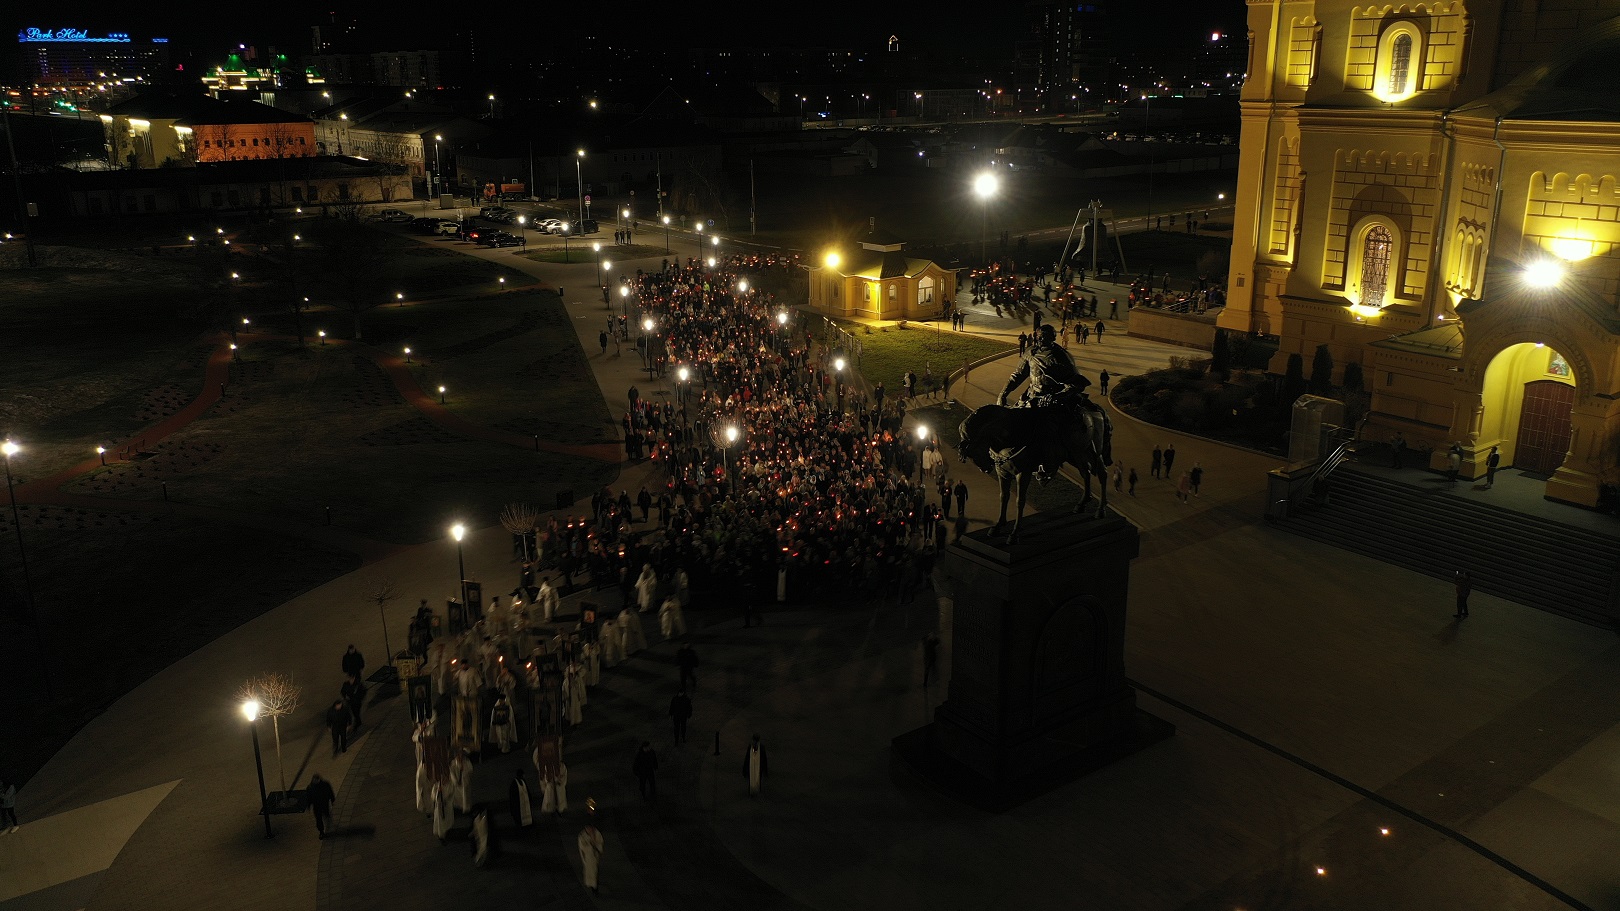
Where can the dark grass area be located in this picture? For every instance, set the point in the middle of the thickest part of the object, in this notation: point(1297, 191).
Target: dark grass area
point(122, 601)
point(889, 352)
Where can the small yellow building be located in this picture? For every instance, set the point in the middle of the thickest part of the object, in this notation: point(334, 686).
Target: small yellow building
point(879, 281)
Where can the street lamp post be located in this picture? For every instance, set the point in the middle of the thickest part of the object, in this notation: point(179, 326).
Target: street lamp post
point(250, 710)
point(580, 178)
point(666, 235)
point(646, 341)
point(984, 186)
point(438, 166)
point(838, 370)
point(725, 453)
point(624, 301)
point(781, 330)
point(9, 449)
point(607, 301)
point(681, 376)
point(459, 531)
point(922, 445)
point(714, 241)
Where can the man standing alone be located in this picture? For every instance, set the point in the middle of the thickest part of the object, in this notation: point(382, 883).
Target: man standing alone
point(1465, 586)
point(1491, 462)
point(680, 711)
point(645, 766)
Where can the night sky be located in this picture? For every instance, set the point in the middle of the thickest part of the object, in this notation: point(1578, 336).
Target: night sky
point(545, 28)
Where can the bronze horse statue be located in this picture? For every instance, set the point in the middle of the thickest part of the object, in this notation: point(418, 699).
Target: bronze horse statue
point(1015, 443)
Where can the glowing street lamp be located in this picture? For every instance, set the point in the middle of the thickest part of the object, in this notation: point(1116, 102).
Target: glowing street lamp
point(985, 186)
point(322, 334)
point(459, 531)
point(725, 454)
point(922, 445)
point(742, 286)
point(441, 395)
point(838, 369)
point(250, 711)
point(682, 376)
point(101, 453)
point(833, 259)
point(407, 354)
point(9, 449)
point(666, 235)
point(646, 337)
point(579, 156)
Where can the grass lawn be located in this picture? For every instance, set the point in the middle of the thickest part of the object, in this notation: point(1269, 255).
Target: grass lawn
point(98, 343)
point(889, 353)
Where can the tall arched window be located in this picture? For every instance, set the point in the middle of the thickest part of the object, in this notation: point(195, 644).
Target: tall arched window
point(1400, 64)
point(1375, 250)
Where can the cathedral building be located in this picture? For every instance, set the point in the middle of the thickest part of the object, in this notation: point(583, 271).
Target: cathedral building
point(1432, 191)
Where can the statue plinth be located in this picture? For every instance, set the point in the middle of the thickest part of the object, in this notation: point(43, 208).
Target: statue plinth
point(1036, 647)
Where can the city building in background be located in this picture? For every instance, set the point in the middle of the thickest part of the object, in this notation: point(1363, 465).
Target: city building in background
point(76, 58)
point(169, 129)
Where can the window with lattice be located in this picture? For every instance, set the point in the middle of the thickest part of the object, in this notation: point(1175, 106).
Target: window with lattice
point(1400, 64)
point(1375, 252)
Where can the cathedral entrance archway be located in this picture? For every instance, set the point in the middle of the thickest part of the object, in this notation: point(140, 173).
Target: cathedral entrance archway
point(1526, 403)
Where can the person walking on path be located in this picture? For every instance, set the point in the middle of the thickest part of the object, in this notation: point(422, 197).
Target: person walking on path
point(1158, 461)
point(602, 339)
point(755, 767)
point(321, 797)
point(1492, 461)
point(1465, 585)
point(590, 854)
point(1169, 459)
point(930, 657)
point(1130, 483)
point(354, 663)
point(687, 660)
point(1102, 379)
point(1453, 462)
point(961, 494)
point(8, 807)
point(1184, 486)
point(1099, 330)
point(1197, 476)
point(680, 711)
point(1119, 477)
point(338, 719)
point(645, 767)
point(1397, 450)
point(354, 696)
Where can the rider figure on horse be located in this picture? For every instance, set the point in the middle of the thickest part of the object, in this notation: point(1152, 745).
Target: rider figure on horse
point(1053, 381)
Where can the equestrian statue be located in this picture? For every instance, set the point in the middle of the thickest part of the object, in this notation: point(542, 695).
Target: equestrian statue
point(1053, 422)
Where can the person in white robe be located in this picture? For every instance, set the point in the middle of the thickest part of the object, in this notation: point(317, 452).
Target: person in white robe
point(755, 767)
point(592, 653)
point(635, 639)
point(503, 725)
point(646, 587)
point(612, 644)
point(461, 773)
point(480, 836)
point(517, 798)
point(671, 621)
point(469, 680)
point(424, 789)
point(554, 789)
point(590, 853)
point(443, 813)
point(548, 599)
point(683, 589)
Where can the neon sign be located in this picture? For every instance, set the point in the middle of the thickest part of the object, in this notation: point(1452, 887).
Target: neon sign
point(33, 35)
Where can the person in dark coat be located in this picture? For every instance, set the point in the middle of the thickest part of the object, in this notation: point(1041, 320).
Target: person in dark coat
point(338, 719)
point(687, 659)
point(680, 710)
point(645, 766)
point(354, 696)
point(321, 797)
point(353, 662)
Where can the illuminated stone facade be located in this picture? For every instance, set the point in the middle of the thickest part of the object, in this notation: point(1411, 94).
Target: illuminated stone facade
point(1432, 191)
point(878, 280)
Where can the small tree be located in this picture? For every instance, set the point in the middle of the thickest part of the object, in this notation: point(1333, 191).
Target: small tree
point(1322, 372)
point(277, 697)
point(1352, 377)
point(382, 593)
point(1220, 362)
point(1293, 383)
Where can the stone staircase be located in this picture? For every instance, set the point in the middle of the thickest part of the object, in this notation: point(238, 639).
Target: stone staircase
point(1528, 559)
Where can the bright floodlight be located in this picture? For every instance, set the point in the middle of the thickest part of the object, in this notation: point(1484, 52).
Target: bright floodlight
point(715, 238)
point(711, 262)
point(1544, 273)
point(647, 324)
point(985, 185)
point(607, 264)
point(742, 285)
point(250, 710)
point(833, 260)
point(922, 431)
point(838, 365)
point(596, 247)
point(731, 434)
point(10, 449)
point(781, 318)
point(666, 219)
point(624, 290)
point(683, 373)
point(458, 531)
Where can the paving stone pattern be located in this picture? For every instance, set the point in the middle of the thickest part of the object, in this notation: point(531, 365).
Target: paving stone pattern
point(411, 432)
point(525, 324)
point(70, 518)
point(369, 388)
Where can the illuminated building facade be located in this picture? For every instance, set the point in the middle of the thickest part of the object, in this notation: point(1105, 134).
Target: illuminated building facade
point(161, 129)
point(1432, 191)
point(74, 58)
point(878, 280)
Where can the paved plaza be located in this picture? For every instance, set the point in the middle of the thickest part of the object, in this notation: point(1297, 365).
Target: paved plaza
point(1341, 742)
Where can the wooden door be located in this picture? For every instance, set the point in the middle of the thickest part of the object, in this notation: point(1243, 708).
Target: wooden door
point(1544, 426)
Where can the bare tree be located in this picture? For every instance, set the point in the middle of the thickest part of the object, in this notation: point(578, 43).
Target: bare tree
point(380, 594)
point(520, 519)
point(277, 697)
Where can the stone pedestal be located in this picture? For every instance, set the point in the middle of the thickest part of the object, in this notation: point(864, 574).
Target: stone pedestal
point(1037, 693)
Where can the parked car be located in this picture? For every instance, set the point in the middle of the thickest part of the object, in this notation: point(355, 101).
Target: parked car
point(576, 228)
point(549, 226)
point(499, 239)
point(447, 228)
point(393, 215)
point(424, 225)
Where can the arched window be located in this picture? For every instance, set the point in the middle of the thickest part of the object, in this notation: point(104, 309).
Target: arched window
point(1400, 64)
point(1375, 250)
